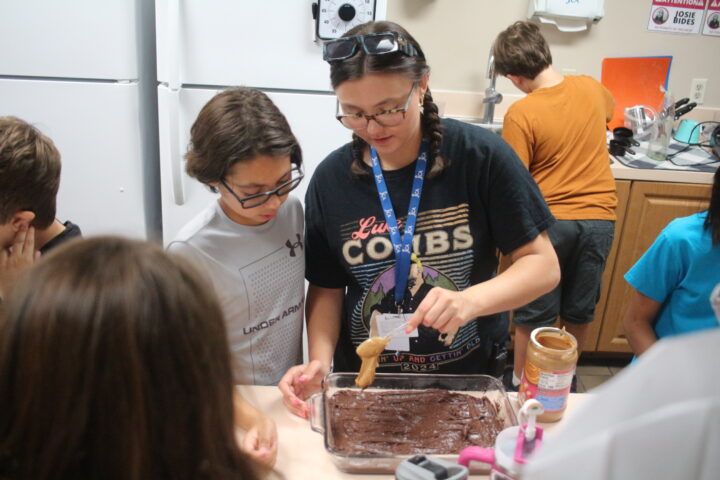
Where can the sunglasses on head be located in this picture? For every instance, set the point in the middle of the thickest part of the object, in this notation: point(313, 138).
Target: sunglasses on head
point(372, 44)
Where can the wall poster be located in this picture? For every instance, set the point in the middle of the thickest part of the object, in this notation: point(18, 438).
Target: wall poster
point(711, 25)
point(677, 16)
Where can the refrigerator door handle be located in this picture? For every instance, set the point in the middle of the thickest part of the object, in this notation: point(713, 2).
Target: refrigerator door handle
point(172, 45)
point(176, 170)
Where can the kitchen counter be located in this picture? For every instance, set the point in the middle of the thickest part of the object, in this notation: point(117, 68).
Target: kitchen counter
point(620, 171)
point(669, 172)
point(301, 452)
point(623, 172)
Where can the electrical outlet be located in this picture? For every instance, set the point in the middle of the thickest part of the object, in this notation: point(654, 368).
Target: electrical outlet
point(697, 90)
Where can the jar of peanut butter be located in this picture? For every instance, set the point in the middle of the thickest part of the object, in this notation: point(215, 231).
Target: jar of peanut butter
point(549, 368)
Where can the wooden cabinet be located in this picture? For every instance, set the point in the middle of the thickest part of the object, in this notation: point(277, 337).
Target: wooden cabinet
point(651, 206)
point(623, 193)
point(644, 209)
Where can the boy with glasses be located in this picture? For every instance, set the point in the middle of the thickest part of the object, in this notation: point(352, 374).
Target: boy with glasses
point(29, 182)
point(249, 242)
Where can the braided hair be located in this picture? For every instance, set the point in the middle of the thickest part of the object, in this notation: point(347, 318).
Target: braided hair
point(712, 222)
point(414, 67)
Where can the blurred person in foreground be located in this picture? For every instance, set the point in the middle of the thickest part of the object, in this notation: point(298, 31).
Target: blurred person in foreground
point(114, 364)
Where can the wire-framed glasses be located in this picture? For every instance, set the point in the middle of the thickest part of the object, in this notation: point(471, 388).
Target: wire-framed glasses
point(387, 118)
point(251, 201)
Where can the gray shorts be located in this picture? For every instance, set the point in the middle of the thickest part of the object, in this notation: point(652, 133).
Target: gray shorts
point(582, 247)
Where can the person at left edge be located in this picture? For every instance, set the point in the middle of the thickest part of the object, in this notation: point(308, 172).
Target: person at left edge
point(29, 180)
point(476, 197)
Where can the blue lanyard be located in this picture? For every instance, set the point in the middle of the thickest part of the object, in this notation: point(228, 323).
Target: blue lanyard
point(403, 248)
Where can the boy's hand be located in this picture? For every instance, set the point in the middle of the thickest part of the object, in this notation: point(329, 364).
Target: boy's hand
point(17, 258)
point(299, 383)
point(260, 441)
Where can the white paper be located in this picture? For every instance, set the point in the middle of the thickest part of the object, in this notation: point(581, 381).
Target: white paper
point(389, 323)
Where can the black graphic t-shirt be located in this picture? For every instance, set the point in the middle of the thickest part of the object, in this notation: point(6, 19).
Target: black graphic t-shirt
point(484, 201)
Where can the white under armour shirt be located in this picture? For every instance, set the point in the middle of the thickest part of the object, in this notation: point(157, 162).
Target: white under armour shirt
point(258, 274)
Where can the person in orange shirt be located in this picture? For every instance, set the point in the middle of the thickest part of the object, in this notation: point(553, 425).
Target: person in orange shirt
point(558, 131)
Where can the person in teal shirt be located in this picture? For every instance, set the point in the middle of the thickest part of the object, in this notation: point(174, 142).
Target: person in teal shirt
point(674, 278)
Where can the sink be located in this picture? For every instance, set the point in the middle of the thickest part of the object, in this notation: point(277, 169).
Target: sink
point(493, 127)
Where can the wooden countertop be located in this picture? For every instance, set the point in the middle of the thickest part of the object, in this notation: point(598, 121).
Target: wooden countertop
point(301, 452)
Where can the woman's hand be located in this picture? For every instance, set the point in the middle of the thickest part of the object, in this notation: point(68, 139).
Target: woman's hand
point(441, 309)
point(534, 272)
point(260, 441)
point(299, 383)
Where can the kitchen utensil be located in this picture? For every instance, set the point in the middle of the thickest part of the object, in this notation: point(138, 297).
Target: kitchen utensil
point(513, 445)
point(683, 110)
point(400, 328)
point(688, 132)
point(321, 419)
point(619, 148)
point(662, 129)
point(625, 135)
point(681, 102)
point(423, 467)
point(640, 119)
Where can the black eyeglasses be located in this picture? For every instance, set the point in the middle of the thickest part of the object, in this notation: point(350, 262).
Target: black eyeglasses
point(372, 44)
point(258, 199)
point(386, 118)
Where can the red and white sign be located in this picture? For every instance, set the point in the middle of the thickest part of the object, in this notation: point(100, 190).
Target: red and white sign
point(676, 16)
point(711, 24)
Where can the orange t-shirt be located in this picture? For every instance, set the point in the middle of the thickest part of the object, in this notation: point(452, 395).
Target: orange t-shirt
point(559, 134)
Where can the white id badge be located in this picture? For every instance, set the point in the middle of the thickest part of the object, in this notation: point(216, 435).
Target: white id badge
point(390, 323)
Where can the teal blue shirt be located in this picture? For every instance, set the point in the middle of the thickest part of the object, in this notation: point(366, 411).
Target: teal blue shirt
point(680, 271)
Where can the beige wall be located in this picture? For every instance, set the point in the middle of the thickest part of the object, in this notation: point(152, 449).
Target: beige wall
point(456, 36)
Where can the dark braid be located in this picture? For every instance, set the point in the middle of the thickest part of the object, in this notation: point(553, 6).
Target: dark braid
point(712, 222)
point(432, 132)
point(358, 148)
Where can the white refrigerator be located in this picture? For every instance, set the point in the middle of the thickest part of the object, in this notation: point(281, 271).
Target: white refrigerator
point(206, 45)
point(83, 72)
point(87, 74)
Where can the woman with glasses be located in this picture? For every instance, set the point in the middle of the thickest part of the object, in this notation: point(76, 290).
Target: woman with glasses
point(449, 193)
point(248, 242)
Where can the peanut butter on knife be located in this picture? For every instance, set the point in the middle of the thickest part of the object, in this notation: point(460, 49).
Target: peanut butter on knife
point(369, 351)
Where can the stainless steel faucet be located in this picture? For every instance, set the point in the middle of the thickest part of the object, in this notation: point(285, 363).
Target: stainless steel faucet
point(492, 97)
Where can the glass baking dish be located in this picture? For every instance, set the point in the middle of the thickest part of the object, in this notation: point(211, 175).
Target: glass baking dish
point(474, 385)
